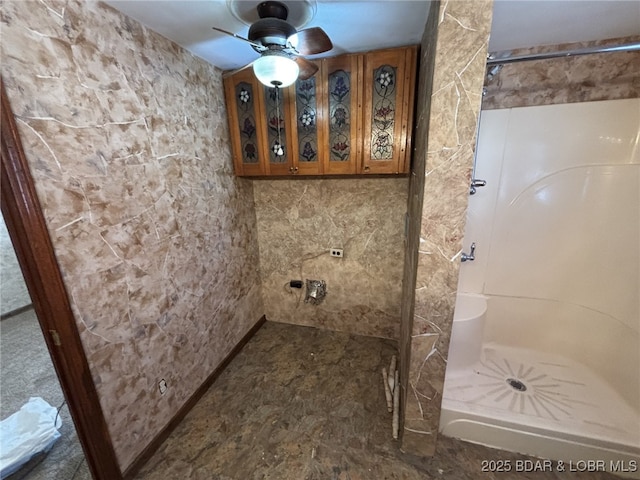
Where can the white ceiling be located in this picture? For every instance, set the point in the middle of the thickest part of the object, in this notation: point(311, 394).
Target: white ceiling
point(530, 23)
point(360, 25)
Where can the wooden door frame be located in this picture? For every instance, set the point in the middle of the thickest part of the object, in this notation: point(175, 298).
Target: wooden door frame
point(28, 231)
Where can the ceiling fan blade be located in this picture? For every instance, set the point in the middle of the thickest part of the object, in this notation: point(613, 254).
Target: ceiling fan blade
point(313, 40)
point(307, 68)
point(257, 46)
point(233, 72)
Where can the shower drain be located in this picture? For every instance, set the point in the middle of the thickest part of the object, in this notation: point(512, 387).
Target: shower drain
point(516, 384)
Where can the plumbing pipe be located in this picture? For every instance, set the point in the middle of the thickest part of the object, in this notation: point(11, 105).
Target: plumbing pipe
point(392, 373)
point(387, 390)
point(396, 408)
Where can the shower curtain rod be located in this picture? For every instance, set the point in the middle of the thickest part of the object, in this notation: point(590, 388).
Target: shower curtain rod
point(494, 59)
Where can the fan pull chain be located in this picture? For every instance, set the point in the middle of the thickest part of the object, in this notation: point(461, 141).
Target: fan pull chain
point(279, 151)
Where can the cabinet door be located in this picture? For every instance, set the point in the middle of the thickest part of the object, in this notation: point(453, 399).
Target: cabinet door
point(277, 102)
point(307, 117)
point(341, 104)
point(386, 111)
point(243, 93)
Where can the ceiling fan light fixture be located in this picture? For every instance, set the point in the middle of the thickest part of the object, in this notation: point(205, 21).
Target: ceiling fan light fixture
point(276, 69)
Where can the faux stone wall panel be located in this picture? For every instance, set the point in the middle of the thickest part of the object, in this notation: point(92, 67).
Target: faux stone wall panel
point(126, 136)
point(461, 48)
point(300, 220)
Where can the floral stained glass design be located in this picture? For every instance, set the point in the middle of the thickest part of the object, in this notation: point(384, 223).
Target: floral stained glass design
point(383, 112)
point(274, 100)
point(306, 109)
point(339, 116)
point(247, 122)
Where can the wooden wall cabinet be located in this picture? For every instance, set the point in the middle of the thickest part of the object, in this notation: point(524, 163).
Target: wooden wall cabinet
point(353, 117)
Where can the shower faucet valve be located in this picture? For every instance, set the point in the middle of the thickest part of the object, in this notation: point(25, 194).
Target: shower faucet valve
point(475, 183)
point(471, 256)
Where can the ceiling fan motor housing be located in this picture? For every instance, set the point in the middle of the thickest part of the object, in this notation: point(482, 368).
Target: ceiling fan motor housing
point(271, 31)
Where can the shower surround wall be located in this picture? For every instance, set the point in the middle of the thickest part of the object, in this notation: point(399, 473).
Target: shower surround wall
point(579, 161)
point(300, 220)
point(557, 228)
point(587, 78)
point(126, 136)
point(447, 158)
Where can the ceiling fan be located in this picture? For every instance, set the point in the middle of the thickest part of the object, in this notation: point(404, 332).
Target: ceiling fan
point(281, 46)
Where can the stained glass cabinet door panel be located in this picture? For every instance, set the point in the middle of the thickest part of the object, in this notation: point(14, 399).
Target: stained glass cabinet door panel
point(245, 109)
point(388, 87)
point(340, 75)
point(307, 117)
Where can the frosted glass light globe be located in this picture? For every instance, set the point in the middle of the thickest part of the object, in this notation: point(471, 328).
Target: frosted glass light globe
point(276, 69)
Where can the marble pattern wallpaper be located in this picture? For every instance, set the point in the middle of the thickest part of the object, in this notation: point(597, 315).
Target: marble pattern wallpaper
point(460, 54)
point(587, 78)
point(126, 135)
point(300, 220)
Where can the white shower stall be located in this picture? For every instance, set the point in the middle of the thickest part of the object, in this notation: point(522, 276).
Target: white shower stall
point(545, 352)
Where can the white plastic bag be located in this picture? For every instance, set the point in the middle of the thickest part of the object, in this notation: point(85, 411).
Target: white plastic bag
point(29, 431)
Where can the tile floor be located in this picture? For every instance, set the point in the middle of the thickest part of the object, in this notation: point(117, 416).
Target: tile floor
point(300, 403)
point(26, 371)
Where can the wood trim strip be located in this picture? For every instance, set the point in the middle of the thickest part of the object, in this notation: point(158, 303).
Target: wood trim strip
point(322, 116)
point(409, 105)
point(150, 449)
point(28, 231)
point(359, 117)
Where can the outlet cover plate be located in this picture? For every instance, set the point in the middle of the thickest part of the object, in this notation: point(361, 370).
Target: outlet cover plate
point(336, 252)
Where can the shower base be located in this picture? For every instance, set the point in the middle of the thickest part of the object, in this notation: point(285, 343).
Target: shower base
point(543, 405)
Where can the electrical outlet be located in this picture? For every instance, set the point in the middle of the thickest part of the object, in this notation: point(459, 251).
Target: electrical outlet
point(162, 386)
point(336, 252)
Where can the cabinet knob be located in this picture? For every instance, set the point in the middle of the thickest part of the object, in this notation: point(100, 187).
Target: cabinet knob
point(366, 168)
point(293, 169)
